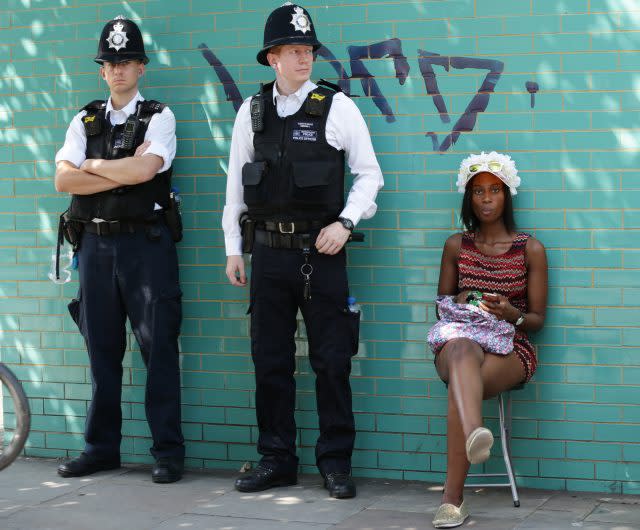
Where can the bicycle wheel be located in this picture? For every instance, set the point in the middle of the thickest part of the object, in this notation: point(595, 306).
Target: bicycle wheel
point(15, 417)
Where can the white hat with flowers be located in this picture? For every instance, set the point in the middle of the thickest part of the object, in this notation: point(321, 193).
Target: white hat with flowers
point(495, 163)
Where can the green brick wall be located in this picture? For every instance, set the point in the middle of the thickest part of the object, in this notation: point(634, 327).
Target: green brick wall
point(576, 426)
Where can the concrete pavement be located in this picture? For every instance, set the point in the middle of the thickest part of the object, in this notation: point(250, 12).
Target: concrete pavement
point(34, 497)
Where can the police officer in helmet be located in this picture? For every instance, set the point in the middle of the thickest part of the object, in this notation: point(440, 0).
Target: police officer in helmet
point(116, 164)
point(286, 181)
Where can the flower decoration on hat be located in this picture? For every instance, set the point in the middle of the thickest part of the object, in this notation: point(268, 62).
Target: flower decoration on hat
point(502, 166)
point(300, 21)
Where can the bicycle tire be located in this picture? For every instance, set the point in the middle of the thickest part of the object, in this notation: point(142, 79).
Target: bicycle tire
point(23, 416)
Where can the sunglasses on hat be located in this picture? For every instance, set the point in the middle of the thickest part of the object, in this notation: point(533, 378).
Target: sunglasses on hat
point(493, 166)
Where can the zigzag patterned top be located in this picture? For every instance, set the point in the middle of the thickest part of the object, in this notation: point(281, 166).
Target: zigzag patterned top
point(505, 274)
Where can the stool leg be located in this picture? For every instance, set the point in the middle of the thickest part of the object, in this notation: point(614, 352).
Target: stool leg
point(505, 438)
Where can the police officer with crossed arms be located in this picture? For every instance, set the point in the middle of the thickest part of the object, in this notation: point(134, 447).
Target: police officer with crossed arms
point(286, 175)
point(116, 164)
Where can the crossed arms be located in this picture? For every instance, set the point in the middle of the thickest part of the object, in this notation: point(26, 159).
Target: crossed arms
point(95, 175)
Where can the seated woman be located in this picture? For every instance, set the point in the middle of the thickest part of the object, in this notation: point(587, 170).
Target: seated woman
point(509, 268)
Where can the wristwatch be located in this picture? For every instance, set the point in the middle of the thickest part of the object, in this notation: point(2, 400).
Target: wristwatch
point(347, 223)
point(520, 319)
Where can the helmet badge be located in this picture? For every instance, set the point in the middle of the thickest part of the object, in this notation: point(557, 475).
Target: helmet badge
point(117, 38)
point(300, 21)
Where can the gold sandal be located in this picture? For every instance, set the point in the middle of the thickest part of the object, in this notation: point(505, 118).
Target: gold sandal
point(478, 445)
point(450, 515)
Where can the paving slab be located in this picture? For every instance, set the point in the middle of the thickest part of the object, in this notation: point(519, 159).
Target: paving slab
point(578, 505)
point(307, 502)
point(32, 496)
point(38, 482)
point(386, 520)
point(616, 513)
point(105, 505)
point(205, 522)
point(416, 498)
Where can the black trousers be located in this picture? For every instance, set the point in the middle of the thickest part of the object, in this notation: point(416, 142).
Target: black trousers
point(276, 295)
point(131, 275)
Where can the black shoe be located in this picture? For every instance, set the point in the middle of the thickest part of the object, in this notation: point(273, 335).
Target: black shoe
point(86, 465)
point(340, 485)
point(167, 469)
point(264, 477)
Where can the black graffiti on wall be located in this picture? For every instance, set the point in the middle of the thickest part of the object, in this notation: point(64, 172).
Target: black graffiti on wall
point(388, 48)
point(229, 85)
point(478, 103)
point(392, 48)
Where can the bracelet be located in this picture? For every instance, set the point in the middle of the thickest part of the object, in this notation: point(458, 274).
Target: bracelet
point(519, 320)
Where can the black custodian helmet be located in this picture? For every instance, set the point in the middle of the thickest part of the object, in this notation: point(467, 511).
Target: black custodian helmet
point(289, 24)
point(120, 41)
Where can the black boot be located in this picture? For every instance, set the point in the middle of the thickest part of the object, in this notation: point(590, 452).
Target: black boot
point(340, 485)
point(167, 469)
point(86, 465)
point(264, 477)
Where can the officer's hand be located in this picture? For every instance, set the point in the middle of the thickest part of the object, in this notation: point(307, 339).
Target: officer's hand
point(332, 238)
point(142, 148)
point(235, 271)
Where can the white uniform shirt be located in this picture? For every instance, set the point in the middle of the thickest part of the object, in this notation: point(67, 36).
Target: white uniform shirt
point(346, 130)
point(161, 132)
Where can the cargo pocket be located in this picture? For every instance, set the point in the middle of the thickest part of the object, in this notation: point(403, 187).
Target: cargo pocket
point(354, 329)
point(168, 315)
point(75, 307)
point(311, 183)
point(254, 183)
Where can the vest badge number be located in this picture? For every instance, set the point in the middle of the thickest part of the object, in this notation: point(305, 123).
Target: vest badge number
point(299, 20)
point(305, 131)
point(117, 38)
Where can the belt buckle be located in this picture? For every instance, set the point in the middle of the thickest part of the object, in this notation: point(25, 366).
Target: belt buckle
point(281, 228)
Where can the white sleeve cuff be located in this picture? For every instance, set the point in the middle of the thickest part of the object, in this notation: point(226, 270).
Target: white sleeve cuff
point(233, 245)
point(70, 155)
point(352, 212)
point(156, 148)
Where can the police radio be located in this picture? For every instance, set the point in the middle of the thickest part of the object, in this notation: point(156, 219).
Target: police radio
point(256, 109)
point(130, 129)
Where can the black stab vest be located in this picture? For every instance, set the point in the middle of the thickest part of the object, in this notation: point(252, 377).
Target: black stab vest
point(296, 175)
point(132, 203)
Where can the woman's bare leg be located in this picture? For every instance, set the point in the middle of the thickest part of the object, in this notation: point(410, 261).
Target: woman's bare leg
point(457, 463)
point(492, 374)
point(459, 364)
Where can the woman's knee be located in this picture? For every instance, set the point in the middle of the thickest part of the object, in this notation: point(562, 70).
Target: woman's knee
point(458, 350)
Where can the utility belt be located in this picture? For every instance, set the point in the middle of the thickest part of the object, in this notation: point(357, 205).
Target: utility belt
point(283, 240)
point(293, 232)
point(290, 227)
point(110, 228)
point(295, 240)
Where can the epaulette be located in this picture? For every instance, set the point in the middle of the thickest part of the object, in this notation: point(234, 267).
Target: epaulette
point(95, 105)
point(91, 121)
point(328, 84)
point(147, 108)
point(317, 100)
point(266, 88)
point(151, 106)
